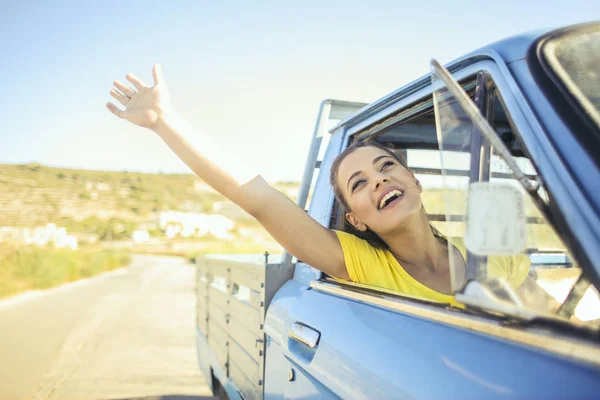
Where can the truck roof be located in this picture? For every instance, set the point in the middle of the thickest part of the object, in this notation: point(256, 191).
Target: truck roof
point(506, 50)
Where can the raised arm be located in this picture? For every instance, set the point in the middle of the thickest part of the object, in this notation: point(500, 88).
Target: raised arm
point(289, 225)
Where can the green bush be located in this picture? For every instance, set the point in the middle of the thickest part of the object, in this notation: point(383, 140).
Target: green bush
point(30, 267)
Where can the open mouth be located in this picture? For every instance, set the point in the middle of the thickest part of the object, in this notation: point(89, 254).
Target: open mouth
point(390, 198)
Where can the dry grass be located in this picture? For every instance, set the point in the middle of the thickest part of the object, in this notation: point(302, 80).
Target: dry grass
point(28, 268)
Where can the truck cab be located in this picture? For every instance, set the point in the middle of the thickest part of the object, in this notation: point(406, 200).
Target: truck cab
point(504, 139)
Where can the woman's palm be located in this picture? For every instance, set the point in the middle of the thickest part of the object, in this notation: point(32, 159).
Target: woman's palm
point(145, 106)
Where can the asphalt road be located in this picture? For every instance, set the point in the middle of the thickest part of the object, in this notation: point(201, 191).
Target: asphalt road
point(128, 334)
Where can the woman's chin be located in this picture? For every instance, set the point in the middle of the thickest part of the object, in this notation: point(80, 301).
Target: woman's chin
point(401, 217)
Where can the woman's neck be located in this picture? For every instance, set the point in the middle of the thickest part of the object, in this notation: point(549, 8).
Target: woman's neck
point(415, 245)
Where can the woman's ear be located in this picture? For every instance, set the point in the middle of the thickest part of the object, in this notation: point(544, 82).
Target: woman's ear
point(350, 217)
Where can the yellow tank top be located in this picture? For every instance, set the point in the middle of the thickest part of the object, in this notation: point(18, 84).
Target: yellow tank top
point(378, 267)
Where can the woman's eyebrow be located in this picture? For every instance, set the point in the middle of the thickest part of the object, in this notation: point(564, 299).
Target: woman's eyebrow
point(375, 160)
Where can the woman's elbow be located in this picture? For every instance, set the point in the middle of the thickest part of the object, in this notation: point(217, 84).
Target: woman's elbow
point(253, 197)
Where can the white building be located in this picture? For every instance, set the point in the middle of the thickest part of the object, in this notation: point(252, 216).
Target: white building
point(57, 236)
point(195, 224)
point(140, 236)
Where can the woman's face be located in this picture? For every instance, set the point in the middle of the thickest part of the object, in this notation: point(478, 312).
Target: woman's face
point(381, 193)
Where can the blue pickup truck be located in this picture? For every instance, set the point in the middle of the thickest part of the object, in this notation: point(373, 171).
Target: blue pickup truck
point(507, 135)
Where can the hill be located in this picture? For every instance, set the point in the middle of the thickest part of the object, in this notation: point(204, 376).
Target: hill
point(109, 204)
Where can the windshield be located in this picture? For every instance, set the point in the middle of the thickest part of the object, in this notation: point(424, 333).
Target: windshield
point(574, 58)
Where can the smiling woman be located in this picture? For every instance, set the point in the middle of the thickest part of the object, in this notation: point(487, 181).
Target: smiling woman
point(388, 240)
point(387, 160)
point(386, 236)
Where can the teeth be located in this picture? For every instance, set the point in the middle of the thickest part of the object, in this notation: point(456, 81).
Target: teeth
point(391, 194)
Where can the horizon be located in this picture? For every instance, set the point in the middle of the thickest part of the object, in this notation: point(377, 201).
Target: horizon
point(2, 164)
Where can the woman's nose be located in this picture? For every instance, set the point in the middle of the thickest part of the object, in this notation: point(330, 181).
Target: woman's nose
point(380, 180)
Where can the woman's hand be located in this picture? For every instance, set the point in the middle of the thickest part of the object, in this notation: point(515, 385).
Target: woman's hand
point(146, 106)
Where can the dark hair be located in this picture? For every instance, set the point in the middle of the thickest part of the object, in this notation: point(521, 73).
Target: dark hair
point(342, 223)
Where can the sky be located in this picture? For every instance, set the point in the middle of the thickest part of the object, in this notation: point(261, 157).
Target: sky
point(249, 74)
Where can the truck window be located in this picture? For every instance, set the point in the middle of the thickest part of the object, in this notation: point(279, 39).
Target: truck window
point(544, 274)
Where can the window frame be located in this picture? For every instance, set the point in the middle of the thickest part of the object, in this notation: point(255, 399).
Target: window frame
point(411, 105)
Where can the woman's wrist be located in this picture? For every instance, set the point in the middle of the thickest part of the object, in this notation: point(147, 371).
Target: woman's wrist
point(168, 124)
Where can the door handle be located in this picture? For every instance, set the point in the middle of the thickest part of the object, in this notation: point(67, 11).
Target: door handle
point(304, 334)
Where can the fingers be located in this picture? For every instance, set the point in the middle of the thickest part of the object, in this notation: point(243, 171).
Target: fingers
point(129, 92)
point(139, 85)
point(113, 109)
point(157, 74)
point(122, 99)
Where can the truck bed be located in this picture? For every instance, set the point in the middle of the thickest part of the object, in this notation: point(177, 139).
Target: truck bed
point(231, 299)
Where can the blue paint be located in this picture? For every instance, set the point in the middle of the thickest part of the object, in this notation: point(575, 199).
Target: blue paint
point(370, 352)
